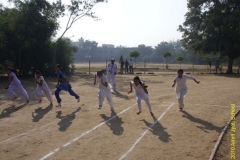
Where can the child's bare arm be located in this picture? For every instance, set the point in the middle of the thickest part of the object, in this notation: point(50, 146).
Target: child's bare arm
point(196, 81)
point(10, 79)
point(105, 84)
point(144, 88)
point(130, 88)
point(174, 82)
point(94, 83)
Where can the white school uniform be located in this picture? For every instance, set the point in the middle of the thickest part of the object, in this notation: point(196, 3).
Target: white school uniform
point(16, 84)
point(111, 73)
point(104, 91)
point(140, 94)
point(44, 88)
point(181, 88)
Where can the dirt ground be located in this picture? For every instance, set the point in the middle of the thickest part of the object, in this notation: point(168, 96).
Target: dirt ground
point(79, 131)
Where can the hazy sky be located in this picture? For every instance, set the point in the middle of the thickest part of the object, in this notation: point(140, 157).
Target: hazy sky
point(130, 22)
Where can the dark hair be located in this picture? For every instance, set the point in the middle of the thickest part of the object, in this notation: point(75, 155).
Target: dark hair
point(37, 72)
point(180, 70)
point(137, 78)
point(11, 70)
point(60, 67)
point(99, 73)
point(103, 71)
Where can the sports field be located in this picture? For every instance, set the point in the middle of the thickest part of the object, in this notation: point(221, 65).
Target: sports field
point(79, 131)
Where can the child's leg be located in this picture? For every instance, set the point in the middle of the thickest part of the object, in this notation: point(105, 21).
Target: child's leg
point(70, 91)
point(48, 94)
point(146, 99)
point(57, 95)
point(23, 91)
point(10, 91)
point(101, 97)
point(182, 93)
point(109, 99)
point(139, 98)
point(114, 82)
point(38, 93)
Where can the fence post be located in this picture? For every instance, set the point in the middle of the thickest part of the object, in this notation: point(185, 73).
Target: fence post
point(106, 64)
point(144, 66)
point(89, 67)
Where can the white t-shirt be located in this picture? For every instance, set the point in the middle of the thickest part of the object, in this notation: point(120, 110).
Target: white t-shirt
point(15, 80)
point(138, 89)
point(44, 84)
point(182, 81)
point(112, 68)
point(100, 85)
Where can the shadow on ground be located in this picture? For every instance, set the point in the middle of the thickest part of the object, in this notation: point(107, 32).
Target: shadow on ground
point(205, 125)
point(66, 121)
point(157, 129)
point(8, 111)
point(115, 124)
point(40, 113)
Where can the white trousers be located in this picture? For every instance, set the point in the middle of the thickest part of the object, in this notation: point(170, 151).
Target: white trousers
point(46, 91)
point(111, 78)
point(181, 92)
point(101, 96)
point(20, 88)
point(139, 98)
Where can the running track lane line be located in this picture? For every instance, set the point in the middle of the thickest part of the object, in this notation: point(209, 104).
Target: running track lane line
point(23, 135)
point(83, 134)
point(143, 134)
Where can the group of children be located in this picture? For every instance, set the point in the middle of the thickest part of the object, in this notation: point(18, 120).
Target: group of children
point(104, 90)
point(62, 84)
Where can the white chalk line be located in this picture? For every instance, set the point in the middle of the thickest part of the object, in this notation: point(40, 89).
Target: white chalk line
point(214, 105)
point(22, 135)
point(143, 134)
point(25, 134)
point(83, 134)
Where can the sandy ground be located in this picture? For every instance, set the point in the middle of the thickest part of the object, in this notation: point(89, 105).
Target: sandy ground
point(79, 131)
point(224, 151)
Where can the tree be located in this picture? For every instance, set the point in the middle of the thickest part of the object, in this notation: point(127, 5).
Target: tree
point(212, 26)
point(120, 59)
point(134, 54)
point(88, 48)
point(75, 11)
point(161, 48)
point(179, 59)
point(166, 55)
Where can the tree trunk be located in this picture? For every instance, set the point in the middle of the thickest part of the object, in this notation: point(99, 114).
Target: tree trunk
point(54, 56)
point(135, 62)
point(230, 64)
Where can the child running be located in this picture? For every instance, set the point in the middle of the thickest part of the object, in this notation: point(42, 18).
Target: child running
point(15, 84)
point(63, 84)
point(141, 93)
point(42, 87)
point(103, 89)
point(181, 88)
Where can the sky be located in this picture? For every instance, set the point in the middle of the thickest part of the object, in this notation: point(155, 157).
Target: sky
point(129, 22)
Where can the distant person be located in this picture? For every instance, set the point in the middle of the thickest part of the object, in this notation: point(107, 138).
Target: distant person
point(63, 84)
point(112, 71)
point(141, 93)
point(217, 66)
point(210, 65)
point(42, 87)
point(126, 66)
point(131, 66)
point(15, 84)
point(103, 89)
point(181, 88)
point(122, 64)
